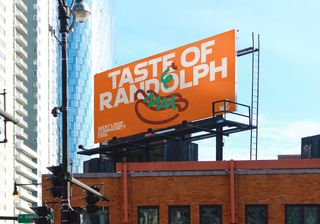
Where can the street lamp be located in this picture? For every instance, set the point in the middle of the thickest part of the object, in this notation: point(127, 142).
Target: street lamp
point(80, 14)
point(16, 196)
point(81, 11)
point(15, 193)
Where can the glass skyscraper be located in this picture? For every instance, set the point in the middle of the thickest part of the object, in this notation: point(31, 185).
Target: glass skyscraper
point(89, 52)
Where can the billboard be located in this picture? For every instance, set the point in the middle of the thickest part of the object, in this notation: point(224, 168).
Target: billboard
point(165, 89)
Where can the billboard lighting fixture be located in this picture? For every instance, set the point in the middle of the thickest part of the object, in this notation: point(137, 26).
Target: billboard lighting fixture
point(220, 120)
point(149, 134)
point(165, 131)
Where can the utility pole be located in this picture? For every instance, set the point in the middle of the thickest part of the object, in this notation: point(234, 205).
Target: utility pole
point(80, 13)
point(64, 16)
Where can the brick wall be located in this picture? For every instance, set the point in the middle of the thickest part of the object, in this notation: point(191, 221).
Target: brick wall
point(276, 190)
point(175, 190)
point(274, 187)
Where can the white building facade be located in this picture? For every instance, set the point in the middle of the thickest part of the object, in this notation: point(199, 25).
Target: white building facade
point(30, 77)
point(28, 74)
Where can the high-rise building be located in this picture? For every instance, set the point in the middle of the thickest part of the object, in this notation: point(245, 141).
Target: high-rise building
point(90, 50)
point(42, 83)
point(29, 77)
point(6, 67)
point(27, 74)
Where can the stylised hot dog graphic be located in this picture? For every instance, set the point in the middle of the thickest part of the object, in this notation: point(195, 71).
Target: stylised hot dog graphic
point(164, 109)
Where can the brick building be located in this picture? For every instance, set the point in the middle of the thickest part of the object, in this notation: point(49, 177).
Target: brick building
point(270, 191)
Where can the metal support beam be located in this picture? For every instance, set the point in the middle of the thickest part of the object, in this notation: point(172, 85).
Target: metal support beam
point(87, 188)
point(246, 51)
point(5, 140)
point(8, 117)
point(199, 128)
point(219, 141)
point(8, 218)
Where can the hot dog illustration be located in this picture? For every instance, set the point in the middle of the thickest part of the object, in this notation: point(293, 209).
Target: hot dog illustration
point(154, 109)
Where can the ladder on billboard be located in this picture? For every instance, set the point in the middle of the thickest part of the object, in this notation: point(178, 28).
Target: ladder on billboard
point(255, 97)
point(254, 50)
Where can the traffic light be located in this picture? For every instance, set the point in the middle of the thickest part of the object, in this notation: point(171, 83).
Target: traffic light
point(91, 200)
point(56, 180)
point(44, 214)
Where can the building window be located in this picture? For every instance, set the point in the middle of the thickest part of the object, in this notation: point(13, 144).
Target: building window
point(210, 214)
point(302, 214)
point(2, 43)
point(3, 56)
point(2, 31)
point(148, 215)
point(2, 7)
point(179, 215)
point(2, 68)
point(256, 214)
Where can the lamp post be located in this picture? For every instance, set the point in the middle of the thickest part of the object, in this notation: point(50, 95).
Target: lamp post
point(80, 12)
point(15, 193)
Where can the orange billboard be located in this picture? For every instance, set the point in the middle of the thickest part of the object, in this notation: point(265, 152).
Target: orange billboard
point(165, 89)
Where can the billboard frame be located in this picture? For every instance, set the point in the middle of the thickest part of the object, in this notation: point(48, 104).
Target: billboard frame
point(166, 88)
point(181, 131)
point(116, 145)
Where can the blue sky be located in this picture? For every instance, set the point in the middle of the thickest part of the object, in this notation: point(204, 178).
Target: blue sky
point(289, 68)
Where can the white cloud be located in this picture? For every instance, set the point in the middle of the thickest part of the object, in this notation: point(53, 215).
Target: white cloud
point(300, 129)
point(284, 137)
point(276, 137)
